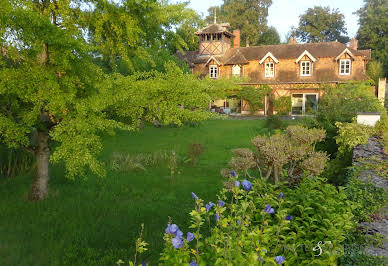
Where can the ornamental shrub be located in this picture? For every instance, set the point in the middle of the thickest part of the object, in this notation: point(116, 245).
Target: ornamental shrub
point(289, 154)
point(257, 223)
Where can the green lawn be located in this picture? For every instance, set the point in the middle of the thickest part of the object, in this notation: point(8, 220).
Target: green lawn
point(96, 221)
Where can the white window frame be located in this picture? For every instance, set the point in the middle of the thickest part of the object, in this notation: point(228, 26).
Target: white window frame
point(304, 102)
point(345, 62)
point(269, 73)
point(212, 74)
point(310, 68)
point(234, 70)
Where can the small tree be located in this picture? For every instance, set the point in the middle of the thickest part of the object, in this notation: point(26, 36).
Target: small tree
point(255, 96)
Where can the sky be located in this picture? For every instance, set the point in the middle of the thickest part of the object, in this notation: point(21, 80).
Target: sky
point(283, 14)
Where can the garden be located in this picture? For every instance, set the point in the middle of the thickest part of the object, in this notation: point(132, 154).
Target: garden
point(109, 154)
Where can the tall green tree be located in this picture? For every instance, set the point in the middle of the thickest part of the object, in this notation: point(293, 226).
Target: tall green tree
point(269, 37)
point(373, 31)
point(249, 16)
point(320, 24)
point(51, 90)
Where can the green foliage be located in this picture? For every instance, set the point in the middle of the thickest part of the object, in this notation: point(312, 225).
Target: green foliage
point(269, 37)
point(341, 104)
point(354, 251)
point(254, 13)
point(290, 154)
point(372, 33)
point(320, 24)
point(14, 162)
point(106, 213)
point(320, 213)
point(274, 122)
point(367, 198)
point(282, 105)
point(255, 96)
point(195, 150)
point(352, 134)
point(375, 70)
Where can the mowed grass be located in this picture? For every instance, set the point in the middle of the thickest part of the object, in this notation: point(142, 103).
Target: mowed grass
point(96, 221)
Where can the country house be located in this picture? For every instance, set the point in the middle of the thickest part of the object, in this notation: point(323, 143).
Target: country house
point(294, 70)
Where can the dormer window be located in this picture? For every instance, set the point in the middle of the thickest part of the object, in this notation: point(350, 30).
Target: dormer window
point(344, 66)
point(236, 70)
point(305, 68)
point(213, 71)
point(269, 70)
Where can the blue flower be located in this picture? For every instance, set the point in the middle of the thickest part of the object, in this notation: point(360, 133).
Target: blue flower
point(176, 242)
point(288, 217)
point(236, 183)
point(246, 185)
point(269, 210)
point(194, 196)
point(221, 203)
point(209, 206)
point(280, 195)
point(280, 259)
point(193, 263)
point(179, 234)
point(190, 237)
point(172, 229)
point(233, 173)
point(238, 221)
point(143, 264)
point(216, 216)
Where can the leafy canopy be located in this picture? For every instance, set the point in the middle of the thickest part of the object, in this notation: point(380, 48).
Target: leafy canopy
point(50, 84)
point(372, 33)
point(320, 24)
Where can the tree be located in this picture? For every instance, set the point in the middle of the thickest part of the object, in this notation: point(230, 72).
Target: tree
point(269, 37)
point(375, 70)
point(372, 33)
point(319, 24)
point(250, 17)
point(51, 90)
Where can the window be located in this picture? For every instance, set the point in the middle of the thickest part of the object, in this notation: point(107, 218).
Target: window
point(304, 103)
point(236, 70)
point(305, 68)
point(269, 70)
point(344, 68)
point(213, 71)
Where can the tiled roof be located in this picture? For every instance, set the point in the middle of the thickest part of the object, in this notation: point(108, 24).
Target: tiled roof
point(286, 51)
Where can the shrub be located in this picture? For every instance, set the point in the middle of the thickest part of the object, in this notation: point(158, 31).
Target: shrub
point(282, 105)
point(274, 122)
point(243, 160)
point(291, 152)
point(352, 134)
point(194, 151)
point(259, 223)
point(255, 96)
point(367, 197)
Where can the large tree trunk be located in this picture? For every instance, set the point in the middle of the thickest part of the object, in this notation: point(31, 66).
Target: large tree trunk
point(39, 188)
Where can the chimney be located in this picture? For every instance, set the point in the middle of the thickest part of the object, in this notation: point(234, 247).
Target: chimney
point(353, 44)
point(236, 39)
point(292, 41)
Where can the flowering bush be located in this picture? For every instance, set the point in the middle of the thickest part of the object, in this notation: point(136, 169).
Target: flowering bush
point(255, 222)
